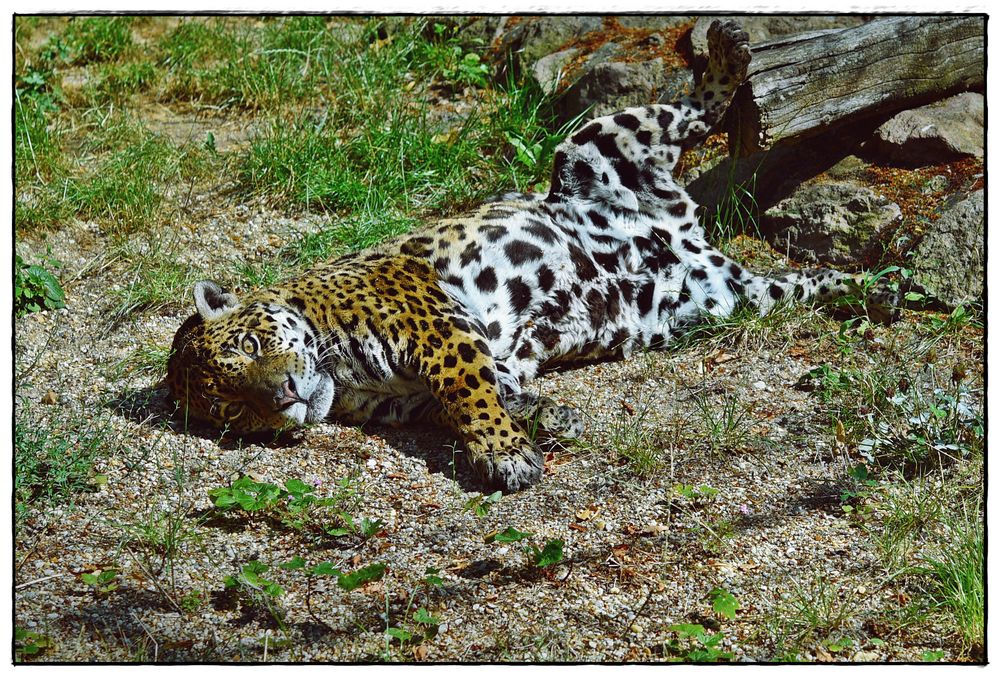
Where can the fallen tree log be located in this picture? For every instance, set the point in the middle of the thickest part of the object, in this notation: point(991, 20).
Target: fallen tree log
point(808, 84)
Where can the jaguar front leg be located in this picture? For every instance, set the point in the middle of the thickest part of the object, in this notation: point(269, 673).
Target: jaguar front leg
point(462, 378)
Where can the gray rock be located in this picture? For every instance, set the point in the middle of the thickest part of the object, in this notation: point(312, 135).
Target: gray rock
point(548, 70)
point(485, 29)
point(765, 28)
point(598, 83)
point(608, 86)
point(656, 22)
point(830, 223)
point(949, 260)
point(534, 37)
point(943, 131)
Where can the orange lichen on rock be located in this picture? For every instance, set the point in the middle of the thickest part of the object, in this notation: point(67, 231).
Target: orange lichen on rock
point(920, 192)
point(637, 45)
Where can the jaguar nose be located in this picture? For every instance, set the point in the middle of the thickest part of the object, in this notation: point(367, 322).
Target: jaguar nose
point(287, 395)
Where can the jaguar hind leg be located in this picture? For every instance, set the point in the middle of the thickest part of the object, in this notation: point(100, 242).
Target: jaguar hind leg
point(728, 58)
point(625, 161)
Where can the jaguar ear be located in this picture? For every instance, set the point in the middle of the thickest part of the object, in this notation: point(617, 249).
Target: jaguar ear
point(211, 301)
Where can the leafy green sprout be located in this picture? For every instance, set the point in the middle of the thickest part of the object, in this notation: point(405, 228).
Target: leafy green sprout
point(296, 505)
point(251, 584)
point(713, 529)
point(35, 288)
point(862, 486)
point(101, 582)
point(548, 555)
point(455, 64)
point(696, 494)
point(252, 575)
point(693, 644)
point(28, 643)
point(345, 581)
point(724, 602)
point(480, 504)
point(420, 624)
point(264, 593)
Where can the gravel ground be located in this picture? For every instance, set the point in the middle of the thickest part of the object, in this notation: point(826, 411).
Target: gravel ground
point(637, 556)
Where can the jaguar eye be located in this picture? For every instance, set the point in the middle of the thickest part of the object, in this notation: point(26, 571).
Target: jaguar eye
point(249, 345)
point(231, 410)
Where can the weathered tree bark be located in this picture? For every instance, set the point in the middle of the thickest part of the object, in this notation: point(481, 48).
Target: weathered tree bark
point(810, 83)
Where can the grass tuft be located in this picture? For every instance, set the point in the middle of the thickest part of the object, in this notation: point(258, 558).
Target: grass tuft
point(957, 572)
point(54, 457)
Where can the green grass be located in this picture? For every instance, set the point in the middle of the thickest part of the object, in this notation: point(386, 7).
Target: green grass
point(151, 283)
point(158, 538)
point(745, 329)
point(98, 39)
point(957, 575)
point(54, 457)
point(915, 416)
point(725, 425)
point(909, 510)
point(345, 112)
point(376, 148)
point(149, 361)
point(814, 613)
point(737, 212)
point(634, 442)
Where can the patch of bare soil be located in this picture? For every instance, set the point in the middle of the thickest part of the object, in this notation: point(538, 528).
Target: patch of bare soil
point(638, 557)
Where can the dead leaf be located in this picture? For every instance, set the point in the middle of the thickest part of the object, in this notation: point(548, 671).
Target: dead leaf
point(841, 433)
point(717, 357)
point(588, 513)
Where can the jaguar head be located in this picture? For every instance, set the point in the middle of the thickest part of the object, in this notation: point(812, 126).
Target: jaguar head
point(247, 367)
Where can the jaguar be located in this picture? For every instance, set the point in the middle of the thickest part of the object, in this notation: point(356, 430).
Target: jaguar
point(447, 324)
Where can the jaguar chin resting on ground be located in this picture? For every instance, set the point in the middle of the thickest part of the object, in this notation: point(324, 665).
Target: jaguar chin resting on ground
point(449, 323)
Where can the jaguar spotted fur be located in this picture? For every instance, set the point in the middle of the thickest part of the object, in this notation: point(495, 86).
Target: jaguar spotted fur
point(449, 323)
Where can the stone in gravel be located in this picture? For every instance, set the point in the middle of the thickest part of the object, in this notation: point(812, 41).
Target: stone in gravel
point(831, 223)
point(940, 132)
